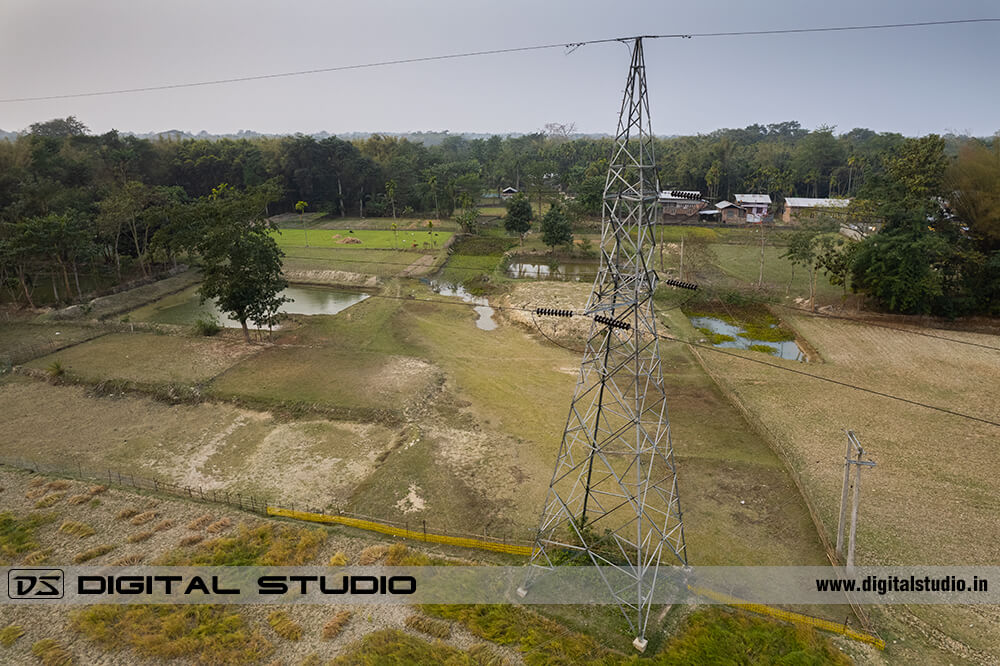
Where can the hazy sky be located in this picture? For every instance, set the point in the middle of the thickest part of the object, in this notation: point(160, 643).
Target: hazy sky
point(914, 80)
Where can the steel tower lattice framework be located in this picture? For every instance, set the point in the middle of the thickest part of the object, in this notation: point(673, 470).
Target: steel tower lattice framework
point(613, 494)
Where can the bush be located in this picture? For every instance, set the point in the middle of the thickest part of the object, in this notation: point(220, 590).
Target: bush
point(285, 626)
point(207, 326)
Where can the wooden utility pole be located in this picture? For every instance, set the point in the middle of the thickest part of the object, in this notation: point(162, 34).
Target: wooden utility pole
point(852, 457)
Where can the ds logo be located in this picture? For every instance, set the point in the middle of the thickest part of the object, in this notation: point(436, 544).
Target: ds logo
point(35, 584)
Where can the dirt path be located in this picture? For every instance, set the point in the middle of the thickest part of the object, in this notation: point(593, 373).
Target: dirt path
point(419, 267)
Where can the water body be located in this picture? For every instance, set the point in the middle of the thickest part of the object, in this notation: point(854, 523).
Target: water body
point(184, 308)
point(787, 349)
point(485, 319)
point(573, 271)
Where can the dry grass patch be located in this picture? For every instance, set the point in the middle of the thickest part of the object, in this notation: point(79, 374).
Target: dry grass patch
point(96, 490)
point(125, 514)
point(78, 499)
point(51, 653)
point(58, 484)
point(37, 557)
point(17, 534)
point(36, 482)
point(266, 544)
point(139, 537)
point(336, 624)
point(201, 521)
point(338, 559)
point(429, 626)
point(9, 634)
point(145, 517)
point(76, 529)
point(219, 525)
point(35, 493)
point(190, 540)
point(372, 554)
point(49, 500)
point(285, 626)
point(129, 560)
point(163, 525)
point(91, 553)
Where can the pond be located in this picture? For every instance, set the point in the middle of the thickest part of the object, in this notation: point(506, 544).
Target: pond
point(723, 334)
point(575, 271)
point(184, 308)
point(485, 319)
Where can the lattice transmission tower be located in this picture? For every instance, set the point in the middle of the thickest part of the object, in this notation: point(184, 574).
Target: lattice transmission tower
point(613, 495)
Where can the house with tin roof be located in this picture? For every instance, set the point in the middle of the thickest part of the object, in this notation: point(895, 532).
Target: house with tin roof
point(755, 205)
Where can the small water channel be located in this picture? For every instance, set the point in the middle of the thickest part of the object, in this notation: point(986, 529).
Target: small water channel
point(485, 319)
point(574, 271)
point(184, 307)
point(734, 337)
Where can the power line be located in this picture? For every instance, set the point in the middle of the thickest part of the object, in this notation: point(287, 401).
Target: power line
point(824, 315)
point(569, 46)
point(718, 350)
point(882, 394)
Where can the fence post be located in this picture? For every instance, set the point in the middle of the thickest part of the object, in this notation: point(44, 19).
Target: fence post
point(201, 492)
point(119, 478)
point(424, 520)
point(110, 480)
point(156, 486)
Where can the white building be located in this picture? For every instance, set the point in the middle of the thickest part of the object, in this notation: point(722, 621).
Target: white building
point(755, 205)
point(795, 205)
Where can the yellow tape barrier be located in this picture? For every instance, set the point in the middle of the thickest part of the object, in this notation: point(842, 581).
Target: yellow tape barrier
point(788, 616)
point(462, 542)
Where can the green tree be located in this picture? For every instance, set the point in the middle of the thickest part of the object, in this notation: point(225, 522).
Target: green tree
point(807, 246)
point(301, 206)
point(901, 268)
point(390, 193)
point(556, 229)
point(518, 217)
point(241, 262)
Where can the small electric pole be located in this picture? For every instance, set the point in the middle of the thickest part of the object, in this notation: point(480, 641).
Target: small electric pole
point(852, 457)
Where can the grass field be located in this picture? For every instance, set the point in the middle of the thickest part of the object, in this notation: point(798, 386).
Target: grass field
point(148, 358)
point(918, 507)
point(383, 263)
point(363, 239)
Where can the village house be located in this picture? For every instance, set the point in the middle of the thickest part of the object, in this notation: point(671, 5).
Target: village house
point(730, 213)
point(794, 207)
point(754, 205)
point(678, 206)
point(508, 192)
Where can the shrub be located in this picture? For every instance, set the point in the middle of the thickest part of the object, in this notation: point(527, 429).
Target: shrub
point(267, 544)
point(17, 535)
point(55, 370)
point(51, 653)
point(90, 554)
point(429, 626)
point(207, 326)
point(9, 634)
point(125, 514)
point(200, 522)
point(140, 536)
point(219, 525)
point(338, 559)
point(81, 530)
point(78, 499)
point(144, 517)
point(284, 625)
point(163, 525)
point(336, 624)
point(372, 554)
point(49, 500)
point(203, 634)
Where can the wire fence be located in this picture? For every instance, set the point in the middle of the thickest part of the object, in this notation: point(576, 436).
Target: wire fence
point(506, 542)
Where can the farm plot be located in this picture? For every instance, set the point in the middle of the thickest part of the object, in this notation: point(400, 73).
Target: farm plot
point(374, 239)
point(146, 358)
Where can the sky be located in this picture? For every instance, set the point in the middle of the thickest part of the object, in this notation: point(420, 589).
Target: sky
point(912, 80)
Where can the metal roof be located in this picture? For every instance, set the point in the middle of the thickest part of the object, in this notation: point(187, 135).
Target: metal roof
point(753, 199)
point(809, 202)
point(693, 195)
point(726, 204)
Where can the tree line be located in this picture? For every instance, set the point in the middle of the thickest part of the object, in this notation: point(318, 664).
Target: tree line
point(77, 209)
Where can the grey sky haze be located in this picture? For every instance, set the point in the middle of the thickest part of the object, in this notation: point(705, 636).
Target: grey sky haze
point(913, 80)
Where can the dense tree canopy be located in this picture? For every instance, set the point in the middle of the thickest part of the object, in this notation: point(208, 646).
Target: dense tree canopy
point(116, 192)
